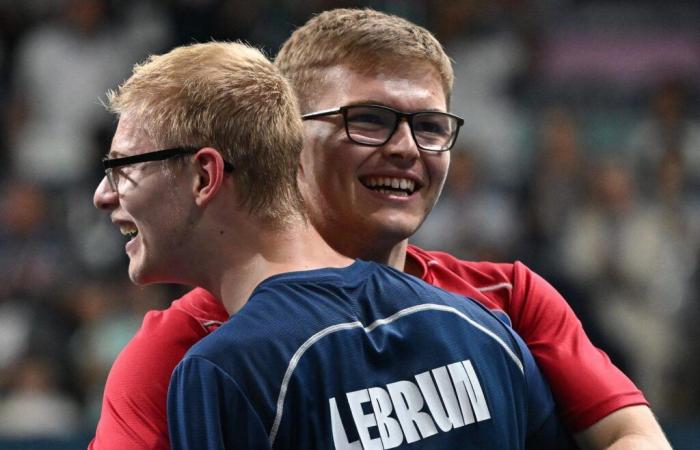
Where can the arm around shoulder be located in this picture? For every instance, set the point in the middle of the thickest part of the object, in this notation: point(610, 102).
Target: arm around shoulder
point(587, 386)
point(133, 413)
point(633, 428)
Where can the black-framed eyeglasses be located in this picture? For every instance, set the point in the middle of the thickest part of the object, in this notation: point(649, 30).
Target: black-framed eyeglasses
point(374, 125)
point(110, 164)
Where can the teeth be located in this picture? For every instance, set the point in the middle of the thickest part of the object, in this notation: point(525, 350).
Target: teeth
point(129, 230)
point(404, 184)
point(396, 193)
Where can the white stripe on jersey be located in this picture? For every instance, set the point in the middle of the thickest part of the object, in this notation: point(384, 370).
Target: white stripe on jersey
point(349, 325)
point(495, 287)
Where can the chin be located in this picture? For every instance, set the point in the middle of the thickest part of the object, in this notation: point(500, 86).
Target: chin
point(141, 274)
point(145, 274)
point(398, 228)
point(136, 277)
point(386, 237)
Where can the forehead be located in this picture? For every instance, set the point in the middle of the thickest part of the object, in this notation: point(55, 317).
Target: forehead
point(416, 87)
point(129, 138)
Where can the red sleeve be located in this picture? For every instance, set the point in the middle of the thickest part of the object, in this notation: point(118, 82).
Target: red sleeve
point(133, 413)
point(586, 384)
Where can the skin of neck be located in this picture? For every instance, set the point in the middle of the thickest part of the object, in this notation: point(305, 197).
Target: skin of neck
point(391, 255)
point(254, 252)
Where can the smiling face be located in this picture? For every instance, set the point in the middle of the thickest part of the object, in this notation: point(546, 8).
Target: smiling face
point(151, 209)
point(366, 201)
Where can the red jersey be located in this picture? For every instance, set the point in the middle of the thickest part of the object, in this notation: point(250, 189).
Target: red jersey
point(585, 384)
point(133, 413)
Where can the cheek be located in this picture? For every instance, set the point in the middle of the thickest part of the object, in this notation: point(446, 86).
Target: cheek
point(313, 156)
point(156, 210)
point(134, 205)
point(330, 165)
point(339, 181)
point(330, 169)
point(438, 166)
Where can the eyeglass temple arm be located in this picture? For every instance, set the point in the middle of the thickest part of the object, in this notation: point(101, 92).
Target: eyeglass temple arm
point(324, 112)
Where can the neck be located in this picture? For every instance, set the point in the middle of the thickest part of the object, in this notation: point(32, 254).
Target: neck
point(394, 256)
point(263, 253)
point(382, 248)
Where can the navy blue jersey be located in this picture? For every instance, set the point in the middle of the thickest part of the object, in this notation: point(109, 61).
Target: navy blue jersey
point(364, 357)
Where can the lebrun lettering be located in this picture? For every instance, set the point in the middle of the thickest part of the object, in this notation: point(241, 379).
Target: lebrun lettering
point(452, 394)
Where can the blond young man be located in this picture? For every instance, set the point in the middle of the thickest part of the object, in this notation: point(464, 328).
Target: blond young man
point(345, 57)
point(314, 338)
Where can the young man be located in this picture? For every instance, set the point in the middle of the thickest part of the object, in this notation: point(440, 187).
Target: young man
point(386, 59)
point(357, 200)
point(315, 339)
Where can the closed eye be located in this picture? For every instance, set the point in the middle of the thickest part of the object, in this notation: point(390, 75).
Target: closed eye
point(368, 119)
point(426, 126)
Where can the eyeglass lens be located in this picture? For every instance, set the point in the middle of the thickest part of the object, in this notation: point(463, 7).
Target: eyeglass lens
point(111, 180)
point(113, 167)
point(374, 126)
point(113, 175)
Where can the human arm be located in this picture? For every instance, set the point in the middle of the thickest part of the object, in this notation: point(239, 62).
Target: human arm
point(633, 428)
point(133, 413)
point(586, 385)
point(208, 410)
point(599, 403)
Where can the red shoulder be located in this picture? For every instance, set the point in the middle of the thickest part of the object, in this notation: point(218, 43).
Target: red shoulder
point(524, 296)
point(486, 282)
point(134, 403)
point(585, 383)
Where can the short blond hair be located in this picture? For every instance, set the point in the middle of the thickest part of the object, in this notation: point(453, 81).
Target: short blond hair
point(231, 97)
point(363, 39)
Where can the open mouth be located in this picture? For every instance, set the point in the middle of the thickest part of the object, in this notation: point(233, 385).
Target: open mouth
point(129, 230)
point(402, 187)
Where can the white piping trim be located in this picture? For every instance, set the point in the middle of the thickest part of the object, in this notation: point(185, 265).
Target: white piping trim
point(495, 287)
point(292, 365)
point(374, 325)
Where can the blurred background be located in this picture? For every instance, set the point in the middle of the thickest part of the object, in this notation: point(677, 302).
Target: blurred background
point(580, 156)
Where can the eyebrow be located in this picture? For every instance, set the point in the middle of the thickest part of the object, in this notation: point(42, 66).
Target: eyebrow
point(113, 154)
point(377, 103)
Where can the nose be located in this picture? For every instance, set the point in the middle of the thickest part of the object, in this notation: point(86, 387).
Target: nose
point(401, 144)
point(104, 197)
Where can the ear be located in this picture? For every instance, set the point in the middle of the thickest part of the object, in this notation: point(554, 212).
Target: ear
point(209, 165)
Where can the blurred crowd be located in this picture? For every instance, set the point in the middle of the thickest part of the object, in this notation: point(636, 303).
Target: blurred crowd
point(580, 156)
